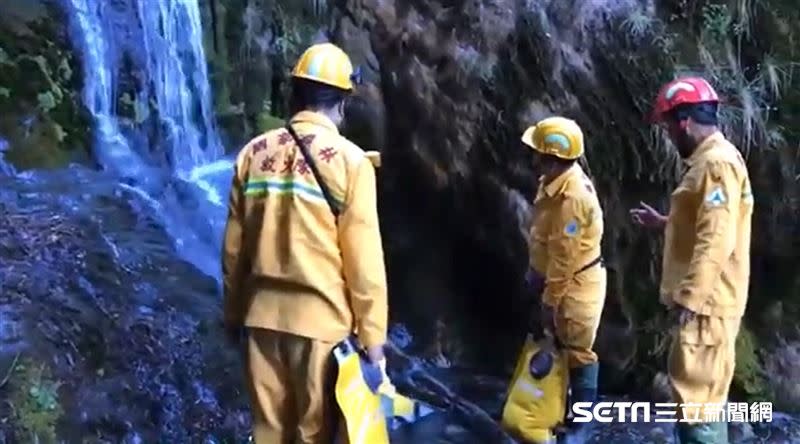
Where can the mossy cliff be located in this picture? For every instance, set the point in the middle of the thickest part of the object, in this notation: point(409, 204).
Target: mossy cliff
point(42, 120)
point(459, 81)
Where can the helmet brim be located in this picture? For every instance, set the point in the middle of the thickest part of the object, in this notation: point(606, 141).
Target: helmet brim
point(527, 138)
point(344, 88)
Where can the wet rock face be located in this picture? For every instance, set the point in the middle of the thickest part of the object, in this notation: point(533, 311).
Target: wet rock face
point(459, 81)
point(454, 83)
point(90, 289)
point(784, 366)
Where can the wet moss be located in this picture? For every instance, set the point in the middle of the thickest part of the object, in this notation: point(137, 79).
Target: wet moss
point(250, 48)
point(215, 45)
point(267, 122)
point(42, 117)
point(35, 402)
point(749, 377)
point(40, 145)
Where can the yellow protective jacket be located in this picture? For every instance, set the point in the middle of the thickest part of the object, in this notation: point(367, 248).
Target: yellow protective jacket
point(288, 264)
point(565, 237)
point(706, 265)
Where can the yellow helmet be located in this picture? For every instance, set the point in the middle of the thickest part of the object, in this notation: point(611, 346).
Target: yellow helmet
point(326, 63)
point(555, 136)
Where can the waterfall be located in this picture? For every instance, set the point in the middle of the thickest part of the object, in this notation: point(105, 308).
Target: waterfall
point(5, 168)
point(174, 71)
point(159, 44)
point(91, 36)
point(176, 68)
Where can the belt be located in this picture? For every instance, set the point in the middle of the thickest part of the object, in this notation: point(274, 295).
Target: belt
point(597, 260)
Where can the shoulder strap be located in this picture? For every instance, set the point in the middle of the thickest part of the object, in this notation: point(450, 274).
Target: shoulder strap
point(310, 161)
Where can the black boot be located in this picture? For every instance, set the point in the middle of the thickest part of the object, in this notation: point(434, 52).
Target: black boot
point(583, 388)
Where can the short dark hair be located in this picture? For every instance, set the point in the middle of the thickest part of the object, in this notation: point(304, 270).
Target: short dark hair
point(307, 94)
point(704, 113)
point(555, 159)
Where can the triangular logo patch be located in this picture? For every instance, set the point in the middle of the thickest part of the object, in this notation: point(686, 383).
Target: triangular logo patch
point(716, 197)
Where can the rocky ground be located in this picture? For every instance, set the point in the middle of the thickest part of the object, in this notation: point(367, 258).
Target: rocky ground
point(105, 335)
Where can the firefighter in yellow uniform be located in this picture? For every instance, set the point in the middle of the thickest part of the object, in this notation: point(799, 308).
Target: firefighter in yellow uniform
point(565, 248)
point(302, 274)
point(706, 263)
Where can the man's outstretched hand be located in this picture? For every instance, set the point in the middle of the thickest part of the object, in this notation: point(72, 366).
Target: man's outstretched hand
point(647, 216)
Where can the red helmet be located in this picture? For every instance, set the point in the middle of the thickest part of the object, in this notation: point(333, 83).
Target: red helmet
point(681, 91)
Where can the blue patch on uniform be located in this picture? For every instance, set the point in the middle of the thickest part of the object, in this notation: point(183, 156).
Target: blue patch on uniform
point(571, 229)
point(716, 197)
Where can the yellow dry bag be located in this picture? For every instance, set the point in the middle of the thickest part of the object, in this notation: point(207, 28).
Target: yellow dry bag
point(358, 397)
point(537, 397)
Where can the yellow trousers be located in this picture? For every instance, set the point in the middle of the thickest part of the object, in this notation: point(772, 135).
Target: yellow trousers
point(701, 363)
point(291, 381)
point(577, 319)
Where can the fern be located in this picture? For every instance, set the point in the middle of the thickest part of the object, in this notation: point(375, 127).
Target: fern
point(716, 21)
point(638, 24)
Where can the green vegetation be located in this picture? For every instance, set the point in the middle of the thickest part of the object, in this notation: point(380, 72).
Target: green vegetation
point(41, 115)
point(34, 402)
point(249, 62)
point(749, 376)
point(267, 122)
point(300, 21)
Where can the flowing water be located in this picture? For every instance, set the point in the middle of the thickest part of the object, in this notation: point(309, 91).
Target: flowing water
point(177, 72)
point(5, 168)
point(91, 35)
point(186, 181)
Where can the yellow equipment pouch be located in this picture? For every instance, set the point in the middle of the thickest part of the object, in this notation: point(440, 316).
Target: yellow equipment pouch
point(361, 407)
point(535, 406)
point(398, 409)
